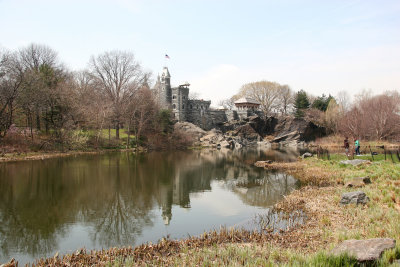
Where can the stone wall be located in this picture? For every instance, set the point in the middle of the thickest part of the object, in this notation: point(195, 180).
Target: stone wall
point(231, 115)
point(208, 119)
point(216, 118)
point(197, 113)
point(245, 113)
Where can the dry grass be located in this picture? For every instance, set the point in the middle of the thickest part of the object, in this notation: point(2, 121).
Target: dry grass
point(307, 174)
point(336, 141)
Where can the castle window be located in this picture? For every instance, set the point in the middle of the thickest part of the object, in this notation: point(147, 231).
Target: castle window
point(173, 106)
point(191, 106)
point(174, 97)
point(183, 106)
point(197, 107)
point(184, 97)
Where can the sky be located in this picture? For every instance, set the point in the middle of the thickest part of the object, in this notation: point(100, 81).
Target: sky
point(321, 46)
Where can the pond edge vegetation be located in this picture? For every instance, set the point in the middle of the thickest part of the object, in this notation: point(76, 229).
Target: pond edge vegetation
point(327, 224)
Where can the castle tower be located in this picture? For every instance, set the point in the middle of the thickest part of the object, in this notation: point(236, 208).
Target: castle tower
point(165, 92)
point(180, 97)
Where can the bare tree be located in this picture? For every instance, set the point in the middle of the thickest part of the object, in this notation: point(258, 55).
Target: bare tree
point(265, 92)
point(42, 73)
point(228, 103)
point(285, 99)
point(118, 75)
point(373, 117)
point(343, 100)
point(11, 79)
point(381, 112)
point(35, 55)
point(95, 108)
point(141, 112)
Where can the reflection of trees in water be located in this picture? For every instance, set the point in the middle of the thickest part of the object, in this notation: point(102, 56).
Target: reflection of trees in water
point(265, 191)
point(29, 210)
point(126, 201)
point(114, 193)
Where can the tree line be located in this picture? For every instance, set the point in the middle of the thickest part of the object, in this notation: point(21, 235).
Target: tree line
point(368, 117)
point(40, 97)
point(44, 104)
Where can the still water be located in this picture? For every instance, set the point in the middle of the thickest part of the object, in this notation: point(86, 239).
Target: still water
point(122, 199)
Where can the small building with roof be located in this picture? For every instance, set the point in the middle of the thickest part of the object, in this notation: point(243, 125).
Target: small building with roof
point(247, 103)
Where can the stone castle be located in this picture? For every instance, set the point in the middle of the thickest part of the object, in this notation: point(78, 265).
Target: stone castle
point(198, 111)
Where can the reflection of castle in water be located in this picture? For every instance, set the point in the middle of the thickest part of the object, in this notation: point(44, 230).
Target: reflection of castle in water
point(115, 194)
point(195, 172)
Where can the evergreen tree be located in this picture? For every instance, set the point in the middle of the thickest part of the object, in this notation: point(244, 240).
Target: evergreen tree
point(301, 103)
point(322, 102)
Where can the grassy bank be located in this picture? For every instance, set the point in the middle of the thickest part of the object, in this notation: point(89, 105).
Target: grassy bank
point(9, 157)
point(43, 147)
point(328, 223)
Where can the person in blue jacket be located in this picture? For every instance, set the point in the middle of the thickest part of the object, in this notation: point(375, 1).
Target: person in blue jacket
point(357, 146)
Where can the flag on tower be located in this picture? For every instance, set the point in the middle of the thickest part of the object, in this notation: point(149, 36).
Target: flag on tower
point(166, 56)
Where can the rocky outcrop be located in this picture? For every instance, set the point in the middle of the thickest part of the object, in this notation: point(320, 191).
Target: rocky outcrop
point(254, 130)
point(247, 132)
point(289, 129)
point(190, 129)
point(365, 251)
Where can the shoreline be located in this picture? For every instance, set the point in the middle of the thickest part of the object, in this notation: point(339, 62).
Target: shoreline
point(327, 224)
point(14, 157)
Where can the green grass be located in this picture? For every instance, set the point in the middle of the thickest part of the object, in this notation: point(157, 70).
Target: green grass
point(255, 255)
point(379, 157)
point(104, 133)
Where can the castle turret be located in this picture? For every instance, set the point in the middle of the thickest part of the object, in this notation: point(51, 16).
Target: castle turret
point(165, 93)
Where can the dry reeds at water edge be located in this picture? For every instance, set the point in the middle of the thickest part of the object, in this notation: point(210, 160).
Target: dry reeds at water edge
point(166, 247)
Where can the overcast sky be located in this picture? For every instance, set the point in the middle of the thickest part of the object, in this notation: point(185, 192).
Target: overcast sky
point(216, 45)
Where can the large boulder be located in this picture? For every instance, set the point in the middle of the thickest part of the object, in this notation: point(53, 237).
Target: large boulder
point(247, 132)
point(232, 125)
point(289, 129)
point(212, 138)
point(357, 197)
point(365, 251)
point(258, 124)
point(270, 124)
point(190, 129)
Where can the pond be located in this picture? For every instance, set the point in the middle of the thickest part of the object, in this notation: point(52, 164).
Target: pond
point(123, 199)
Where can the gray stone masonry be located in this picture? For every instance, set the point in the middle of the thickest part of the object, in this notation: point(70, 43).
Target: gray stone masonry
point(195, 111)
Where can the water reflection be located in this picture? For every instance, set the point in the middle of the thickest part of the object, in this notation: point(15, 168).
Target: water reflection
point(122, 199)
